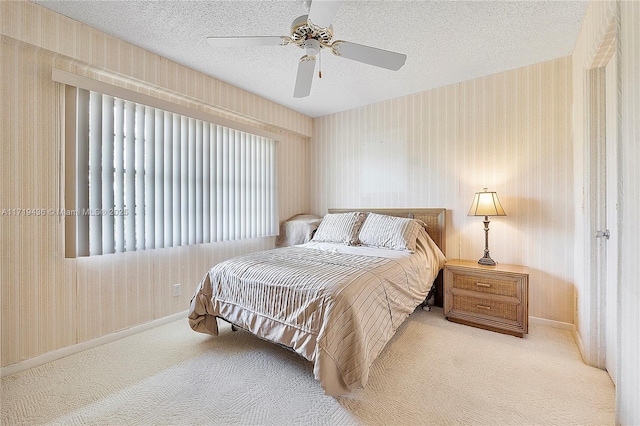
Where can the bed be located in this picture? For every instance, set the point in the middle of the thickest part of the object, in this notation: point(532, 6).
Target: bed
point(336, 300)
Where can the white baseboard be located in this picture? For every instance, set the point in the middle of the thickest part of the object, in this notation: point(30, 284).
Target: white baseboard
point(563, 326)
point(70, 350)
point(578, 339)
point(79, 347)
point(552, 323)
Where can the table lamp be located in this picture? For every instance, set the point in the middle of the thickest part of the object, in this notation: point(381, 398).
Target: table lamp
point(486, 204)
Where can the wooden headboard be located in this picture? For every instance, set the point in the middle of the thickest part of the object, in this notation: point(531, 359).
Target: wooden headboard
point(435, 220)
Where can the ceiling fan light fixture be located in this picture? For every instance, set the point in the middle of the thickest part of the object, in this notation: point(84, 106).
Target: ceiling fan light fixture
point(312, 47)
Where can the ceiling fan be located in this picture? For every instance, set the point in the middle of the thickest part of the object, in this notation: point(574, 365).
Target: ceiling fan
point(312, 33)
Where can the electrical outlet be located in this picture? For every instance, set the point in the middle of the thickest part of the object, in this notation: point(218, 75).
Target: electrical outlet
point(176, 289)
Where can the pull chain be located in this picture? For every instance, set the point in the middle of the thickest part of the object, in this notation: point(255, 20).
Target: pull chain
point(319, 64)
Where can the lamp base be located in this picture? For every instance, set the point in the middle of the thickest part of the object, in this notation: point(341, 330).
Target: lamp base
point(487, 261)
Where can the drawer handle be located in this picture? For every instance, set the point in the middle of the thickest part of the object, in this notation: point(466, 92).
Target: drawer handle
point(484, 307)
point(483, 285)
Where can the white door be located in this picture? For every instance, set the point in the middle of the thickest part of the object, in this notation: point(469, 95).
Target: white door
point(611, 296)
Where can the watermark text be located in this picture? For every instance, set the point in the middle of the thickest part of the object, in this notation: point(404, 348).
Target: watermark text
point(29, 212)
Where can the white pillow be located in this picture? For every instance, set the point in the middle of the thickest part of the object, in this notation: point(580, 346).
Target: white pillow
point(340, 228)
point(396, 233)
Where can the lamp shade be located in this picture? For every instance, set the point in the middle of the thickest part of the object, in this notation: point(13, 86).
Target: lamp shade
point(486, 203)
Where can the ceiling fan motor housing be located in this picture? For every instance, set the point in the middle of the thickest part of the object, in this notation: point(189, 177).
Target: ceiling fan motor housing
point(303, 30)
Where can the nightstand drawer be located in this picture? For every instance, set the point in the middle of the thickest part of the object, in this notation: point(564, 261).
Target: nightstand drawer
point(485, 307)
point(484, 284)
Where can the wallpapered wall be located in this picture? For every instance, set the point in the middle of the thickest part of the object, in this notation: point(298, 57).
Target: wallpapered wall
point(509, 132)
point(49, 302)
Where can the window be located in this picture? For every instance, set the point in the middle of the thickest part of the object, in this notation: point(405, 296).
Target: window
point(140, 177)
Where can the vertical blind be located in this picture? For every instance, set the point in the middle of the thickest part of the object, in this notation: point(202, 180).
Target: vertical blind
point(148, 178)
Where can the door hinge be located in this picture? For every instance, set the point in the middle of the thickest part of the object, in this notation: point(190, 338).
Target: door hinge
point(603, 234)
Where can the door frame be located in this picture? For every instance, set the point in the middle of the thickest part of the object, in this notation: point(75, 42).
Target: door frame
point(594, 194)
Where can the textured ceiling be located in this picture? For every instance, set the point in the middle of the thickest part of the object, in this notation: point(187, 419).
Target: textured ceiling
point(445, 42)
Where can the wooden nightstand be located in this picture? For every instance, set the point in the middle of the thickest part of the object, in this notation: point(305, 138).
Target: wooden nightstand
point(490, 297)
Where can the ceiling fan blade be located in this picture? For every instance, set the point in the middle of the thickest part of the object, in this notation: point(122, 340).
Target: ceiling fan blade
point(322, 12)
point(304, 77)
point(247, 41)
point(369, 55)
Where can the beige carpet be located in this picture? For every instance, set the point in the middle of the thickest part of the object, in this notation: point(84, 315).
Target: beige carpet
point(432, 372)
